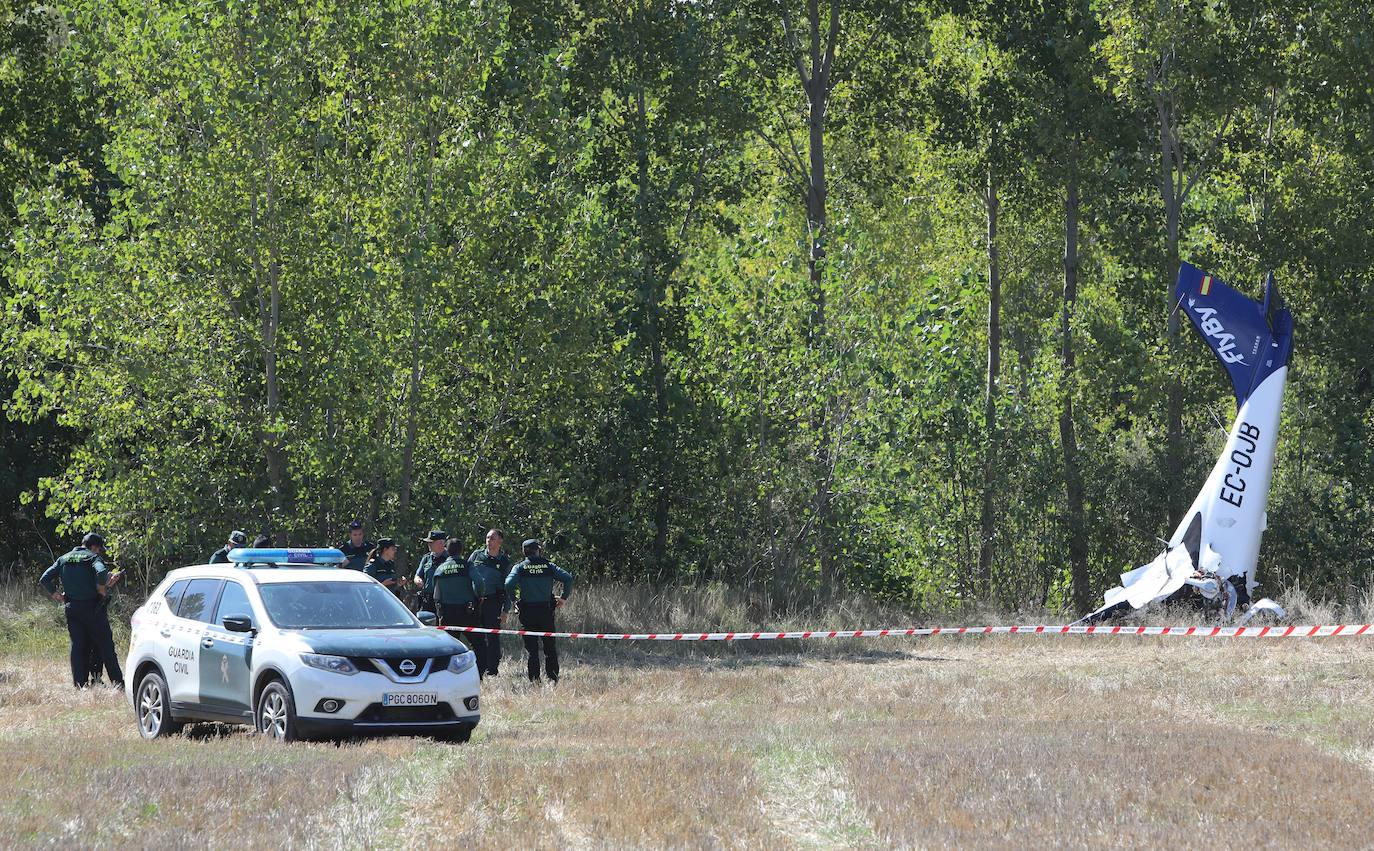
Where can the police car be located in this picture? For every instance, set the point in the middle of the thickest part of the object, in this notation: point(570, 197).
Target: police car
point(285, 641)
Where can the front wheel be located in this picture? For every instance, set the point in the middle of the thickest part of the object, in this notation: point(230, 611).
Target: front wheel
point(152, 707)
point(276, 715)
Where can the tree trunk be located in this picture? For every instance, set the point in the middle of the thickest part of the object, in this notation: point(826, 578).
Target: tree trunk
point(1171, 194)
point(1073, 486)
point(988, 520)
point(815, 78)
point(412, 419)
point(416, 336)
point(277, 469)
point(651, 292)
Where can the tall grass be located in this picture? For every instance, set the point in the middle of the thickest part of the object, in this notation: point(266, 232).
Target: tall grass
point(30, 621)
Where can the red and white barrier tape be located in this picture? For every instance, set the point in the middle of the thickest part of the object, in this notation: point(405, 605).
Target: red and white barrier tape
point(1324, 631)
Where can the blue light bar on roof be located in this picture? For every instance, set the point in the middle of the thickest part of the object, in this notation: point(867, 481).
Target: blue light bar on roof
point(282, 555)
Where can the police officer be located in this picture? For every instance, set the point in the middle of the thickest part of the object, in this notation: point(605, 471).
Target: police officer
point(236, 539)
point(532, 581)
point(452, 585)
point(84, 579)
point(96, 659)
point(488, 568)
point(262, 542)
point(382, 566)
point(357, 548)
point(424, 594)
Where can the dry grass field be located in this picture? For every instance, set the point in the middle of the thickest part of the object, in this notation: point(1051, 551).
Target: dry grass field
point(987, 742)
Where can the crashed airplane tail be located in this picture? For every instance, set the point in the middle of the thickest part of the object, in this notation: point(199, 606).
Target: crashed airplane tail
point(1216, 545)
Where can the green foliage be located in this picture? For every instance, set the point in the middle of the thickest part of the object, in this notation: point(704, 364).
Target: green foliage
point(544, 266)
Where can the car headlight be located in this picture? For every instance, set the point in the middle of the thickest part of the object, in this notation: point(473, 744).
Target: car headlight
point(462, 661)
point(336, 664)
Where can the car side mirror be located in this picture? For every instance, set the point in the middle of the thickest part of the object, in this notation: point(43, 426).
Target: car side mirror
point(238, 623)
point(428, 618)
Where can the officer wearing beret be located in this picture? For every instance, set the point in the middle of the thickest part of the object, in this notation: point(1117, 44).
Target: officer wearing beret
point(424, 572)
point(84, 580)
point(532, 582)
point(452, 585)
point(237, 539)
point(357, 548)
point(382, 565)
point(488, 568)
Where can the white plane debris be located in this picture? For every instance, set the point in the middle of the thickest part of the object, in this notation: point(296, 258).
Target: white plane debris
point(1212, 554)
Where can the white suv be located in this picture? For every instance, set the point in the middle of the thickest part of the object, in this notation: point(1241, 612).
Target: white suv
point(295, 651)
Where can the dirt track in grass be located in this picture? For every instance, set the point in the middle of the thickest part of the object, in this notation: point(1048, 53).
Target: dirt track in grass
point(1036, 741)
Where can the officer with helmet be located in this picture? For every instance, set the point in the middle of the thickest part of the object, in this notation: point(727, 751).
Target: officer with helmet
point(532, 581)
point(236, 540)
point(85, 580)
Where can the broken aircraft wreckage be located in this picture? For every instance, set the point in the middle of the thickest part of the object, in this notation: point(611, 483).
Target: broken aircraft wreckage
point(1212, 554)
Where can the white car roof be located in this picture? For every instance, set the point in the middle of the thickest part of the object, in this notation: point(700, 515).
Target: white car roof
point(307, 574)
point(268, 575)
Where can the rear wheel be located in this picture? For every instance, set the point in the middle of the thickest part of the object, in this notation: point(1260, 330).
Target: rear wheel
point(276, 715)
point(152, 708)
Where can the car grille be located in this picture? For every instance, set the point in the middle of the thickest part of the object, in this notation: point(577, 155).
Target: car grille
point(365, 664)
point(378, 714)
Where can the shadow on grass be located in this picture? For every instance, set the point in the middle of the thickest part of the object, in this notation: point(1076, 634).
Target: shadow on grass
point(627, 655)
point(206, 731)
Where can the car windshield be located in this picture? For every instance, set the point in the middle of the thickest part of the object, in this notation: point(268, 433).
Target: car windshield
point(334, 605)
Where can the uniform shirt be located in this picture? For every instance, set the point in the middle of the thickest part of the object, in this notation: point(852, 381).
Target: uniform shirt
point(380, 569)
point(355, 558)
point(453, 584)
point(221, 556)
point(425, 571)
point(488, 573)
point(533, 579)
point(80, 571)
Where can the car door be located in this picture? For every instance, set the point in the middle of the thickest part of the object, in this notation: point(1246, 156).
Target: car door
point(226, 657)
point(152, 628)
point(183, 636)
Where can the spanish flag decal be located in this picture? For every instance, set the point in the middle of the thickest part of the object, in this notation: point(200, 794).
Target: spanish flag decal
point(1206, 284)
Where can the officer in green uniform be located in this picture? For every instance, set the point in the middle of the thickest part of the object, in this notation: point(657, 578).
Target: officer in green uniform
point(237, 539)
point(96, 660)
point(453, 591)
point(357, 548)
point(382, 565)
point(84, 580)
point(532, 582)
point(488, 568)
point(424, 572)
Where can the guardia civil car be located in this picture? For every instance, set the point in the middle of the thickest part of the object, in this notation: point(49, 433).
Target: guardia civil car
point(286, 642)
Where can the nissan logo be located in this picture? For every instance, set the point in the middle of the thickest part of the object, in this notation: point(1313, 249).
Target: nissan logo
point(407, 667)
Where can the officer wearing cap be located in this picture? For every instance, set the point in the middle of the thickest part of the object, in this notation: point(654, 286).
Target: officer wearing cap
point(381, 566)
point(84, 580)
point(488, 568)
point(452, 586)
point(532, 582)
point(236, 539)
point(424, 572)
